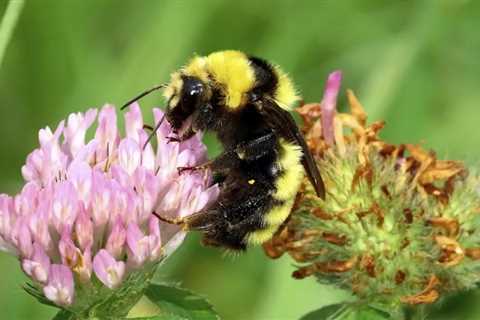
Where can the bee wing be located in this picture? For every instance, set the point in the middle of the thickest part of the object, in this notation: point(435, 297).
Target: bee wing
point(282, 121)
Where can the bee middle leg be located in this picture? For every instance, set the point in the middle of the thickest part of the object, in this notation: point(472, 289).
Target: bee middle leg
point(246, 151)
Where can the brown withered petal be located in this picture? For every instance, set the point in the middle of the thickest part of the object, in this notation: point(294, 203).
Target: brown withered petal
point(400, 277)
point(437, 192)
point(368, 263)
point(426, 296)
point(421, 298)
point(441, 170)
point(339, 137)
point(452, 252)
point(363, 172)
point(301, 256)
point(408, 214)
point(473, 253)
point(304, 272)
point(275, 247)
point(376, 210)
point(334, 238)
point(319, 213)
point(351, 122)
point(431, 169)
point(310, 111)
point(451, 226)
point(356, 108)
point(273, 250)
point(389, 150)
point(300, 243)
point(336, 266)
point(386, 192)
point(420, 155)
point(327, 267)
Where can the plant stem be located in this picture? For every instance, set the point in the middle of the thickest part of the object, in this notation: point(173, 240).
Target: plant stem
point(9, 20)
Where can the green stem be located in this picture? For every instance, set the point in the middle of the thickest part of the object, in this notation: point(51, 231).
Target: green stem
point(9, 21)
point(420, 313)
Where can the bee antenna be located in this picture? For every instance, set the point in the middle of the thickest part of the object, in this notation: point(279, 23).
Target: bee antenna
point(143, 94)
point(154, 131)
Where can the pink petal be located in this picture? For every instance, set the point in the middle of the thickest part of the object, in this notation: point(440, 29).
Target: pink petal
point(80, 174)
point(39, 224)
point(65, 205)
point(69, 253)
point(24, 238)
point(6, 223)
point(106, 134)
point(165, 130)
point(138, 245)
point(60, 285)
point(84, 229)
point(129, 155)
point(83, 268)
point(109, 271)
point(134, 122)
point(37, 268)
point(155, 239)
point(77, 125)
point(101, 199)
point(147, 187)
point(116, 239)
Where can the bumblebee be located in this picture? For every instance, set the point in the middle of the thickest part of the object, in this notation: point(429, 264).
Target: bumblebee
point(246, 101)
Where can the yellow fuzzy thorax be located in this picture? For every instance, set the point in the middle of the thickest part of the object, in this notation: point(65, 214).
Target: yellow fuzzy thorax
point(287, 186)
point(232, 71)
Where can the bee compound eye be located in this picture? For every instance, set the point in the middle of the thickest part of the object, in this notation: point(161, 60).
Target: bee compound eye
point(192, 86)
point(196, 89)
point(254, 96)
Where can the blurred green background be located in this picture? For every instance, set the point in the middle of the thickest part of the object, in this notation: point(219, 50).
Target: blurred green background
point(414, 63)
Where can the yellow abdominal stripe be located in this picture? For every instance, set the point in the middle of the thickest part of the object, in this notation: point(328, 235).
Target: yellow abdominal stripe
point(287, 186)
point(262, 235)
point(290, 163)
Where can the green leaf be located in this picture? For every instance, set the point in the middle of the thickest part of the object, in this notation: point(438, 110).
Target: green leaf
point(178, 303)
point(64, 315)
point(159, 317)
point(367, 313)
point(346, 311)
point(326, 312)
point(37, 294)
point(117, 303)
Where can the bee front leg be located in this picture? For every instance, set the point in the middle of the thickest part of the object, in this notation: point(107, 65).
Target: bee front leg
point(203, 119)
point(185, 136)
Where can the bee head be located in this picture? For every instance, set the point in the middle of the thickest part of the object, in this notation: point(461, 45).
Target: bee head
point(185, 94)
